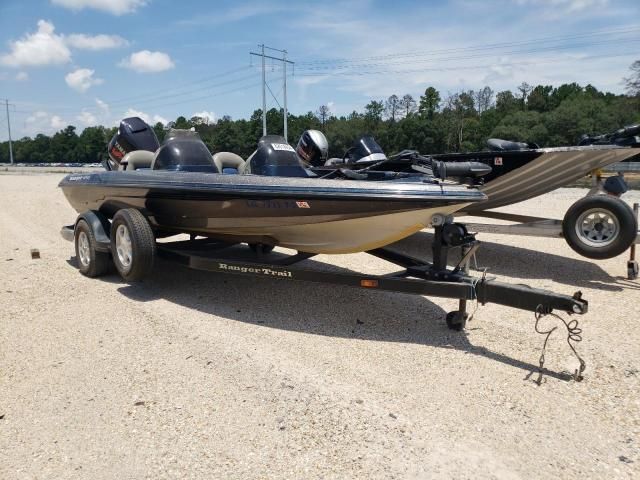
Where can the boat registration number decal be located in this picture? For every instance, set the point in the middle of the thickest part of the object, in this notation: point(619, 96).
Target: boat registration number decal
point(277, 204)
point(497, 161)
point(284, 147)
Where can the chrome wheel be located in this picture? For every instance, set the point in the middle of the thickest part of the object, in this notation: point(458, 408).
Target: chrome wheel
point(84, 251)
point(597, 227)
point(124, 249)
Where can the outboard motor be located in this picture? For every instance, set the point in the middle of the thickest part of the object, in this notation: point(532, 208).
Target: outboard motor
point(184, 151)
point(275, 158)
point(313, 148)
point(133, 134)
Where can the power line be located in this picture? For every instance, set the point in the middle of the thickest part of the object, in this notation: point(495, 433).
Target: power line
point(149, 97)
point(450, 59)
point(240, 84)
point(164, 93)
point(456, 68)
point(494, 46)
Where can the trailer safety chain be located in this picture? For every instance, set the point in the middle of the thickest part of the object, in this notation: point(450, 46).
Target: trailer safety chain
point(474, 285)
point(574, 335)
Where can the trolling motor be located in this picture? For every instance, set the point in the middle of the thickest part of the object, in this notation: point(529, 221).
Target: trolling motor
point(464, 172)
point(628, 136)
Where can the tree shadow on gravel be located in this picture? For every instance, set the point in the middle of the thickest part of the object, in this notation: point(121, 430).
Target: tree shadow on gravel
point(317, 309)
point(524, 263)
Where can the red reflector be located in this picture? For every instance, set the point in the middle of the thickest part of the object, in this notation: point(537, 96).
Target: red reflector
point(369, 283)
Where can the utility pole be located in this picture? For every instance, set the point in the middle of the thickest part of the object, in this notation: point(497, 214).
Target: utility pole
point(264, 85)
point(284, 87)
point(6, 103)
point(264, 96)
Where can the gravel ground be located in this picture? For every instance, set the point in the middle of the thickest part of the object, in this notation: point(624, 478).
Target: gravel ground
point(200, 375)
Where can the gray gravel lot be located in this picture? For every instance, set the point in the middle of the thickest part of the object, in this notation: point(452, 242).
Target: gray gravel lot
point(199, 375)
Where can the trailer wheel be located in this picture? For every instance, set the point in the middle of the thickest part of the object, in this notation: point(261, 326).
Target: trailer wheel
point(632, 270)
point(91, 262)
point(133, 245)
point(599, 227)
point(261, 248)
point(456, 320)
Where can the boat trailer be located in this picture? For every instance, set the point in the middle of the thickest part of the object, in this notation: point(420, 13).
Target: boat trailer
point(95, 250)
point(417, 276)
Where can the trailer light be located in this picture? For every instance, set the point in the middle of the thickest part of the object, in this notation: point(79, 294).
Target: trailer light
point(369, 283)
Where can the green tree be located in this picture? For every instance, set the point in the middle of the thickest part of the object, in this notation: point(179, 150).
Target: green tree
point(429, 102)
point(373, 112)
point(506, 102)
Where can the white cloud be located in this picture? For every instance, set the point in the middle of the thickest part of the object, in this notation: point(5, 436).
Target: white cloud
point(145, 61)
point(87, 119)
point(209, 117)
point(97, 42)
point(37, 116)
point(22, 76)
point(103, 106)
point(115, 7)
point(238, 12)
point(82, 79)
point(566, 6)
point(43, 122)
point(57, 123)
point(150, 119)
point(36, 49)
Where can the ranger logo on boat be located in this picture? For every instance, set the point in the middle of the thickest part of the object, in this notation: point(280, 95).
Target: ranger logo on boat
point(261, 271)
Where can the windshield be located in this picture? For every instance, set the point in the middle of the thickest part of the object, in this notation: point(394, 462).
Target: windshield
point(366, 149)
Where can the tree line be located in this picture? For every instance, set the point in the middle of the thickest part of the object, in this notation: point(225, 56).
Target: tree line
point(433, 123)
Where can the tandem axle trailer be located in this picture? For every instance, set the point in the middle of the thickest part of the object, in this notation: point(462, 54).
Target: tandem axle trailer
point(94, 242)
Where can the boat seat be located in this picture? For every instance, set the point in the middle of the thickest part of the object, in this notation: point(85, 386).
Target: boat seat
point(137, 159)
point(224, 160)
point(506, 145)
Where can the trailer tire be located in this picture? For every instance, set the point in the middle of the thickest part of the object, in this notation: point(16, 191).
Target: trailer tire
point(133, 245)
point(456, 320)
point(91, 262)
point(599, 227)
point(261, 248)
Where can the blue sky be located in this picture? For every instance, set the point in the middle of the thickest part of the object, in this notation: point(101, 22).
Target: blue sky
point(86, 62)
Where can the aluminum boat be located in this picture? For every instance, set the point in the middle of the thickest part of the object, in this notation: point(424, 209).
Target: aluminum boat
point(519, 171)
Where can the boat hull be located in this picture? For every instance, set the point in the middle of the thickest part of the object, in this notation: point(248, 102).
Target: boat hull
point(553, 169)
point(312, 215)
point(523, 174)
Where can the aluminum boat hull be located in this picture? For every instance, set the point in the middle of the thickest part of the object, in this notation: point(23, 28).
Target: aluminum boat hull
point(551, 169)
point(311, 215)
point(519, 175)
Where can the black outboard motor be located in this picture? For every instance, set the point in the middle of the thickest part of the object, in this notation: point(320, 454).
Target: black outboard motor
point(133, 134)
point(184, 151)
point(276, 158)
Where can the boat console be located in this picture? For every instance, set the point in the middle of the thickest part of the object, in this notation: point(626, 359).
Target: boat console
point(275, 158)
